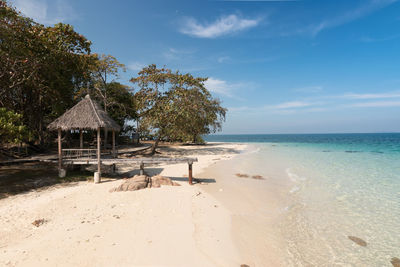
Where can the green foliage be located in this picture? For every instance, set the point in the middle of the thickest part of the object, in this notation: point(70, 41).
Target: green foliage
point(176, 106)
point(104, 68)
point(42, 68)
point(11, 128)
point(121, 102)
point(115, 98)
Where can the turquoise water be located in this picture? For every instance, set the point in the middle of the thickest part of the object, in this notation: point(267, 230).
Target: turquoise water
point(340, 185)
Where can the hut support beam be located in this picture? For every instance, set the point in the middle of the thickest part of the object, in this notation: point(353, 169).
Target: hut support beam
point(113, 143)
point(81, 138)
point(105, 138)
point(59, 151)
point(98, 154)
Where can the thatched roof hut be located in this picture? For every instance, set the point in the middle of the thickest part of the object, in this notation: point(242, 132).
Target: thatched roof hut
point(86, 115)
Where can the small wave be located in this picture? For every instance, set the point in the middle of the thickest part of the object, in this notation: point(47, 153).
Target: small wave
point(378, 152)
point(294, 177)
point(353, 151)
point(294, 189)
point(251, 149)
point(326, 151)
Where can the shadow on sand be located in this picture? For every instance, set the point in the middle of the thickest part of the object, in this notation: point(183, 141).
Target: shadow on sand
point(208, 149)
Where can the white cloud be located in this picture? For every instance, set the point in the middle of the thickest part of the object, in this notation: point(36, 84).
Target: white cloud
point(136, 66)
point(177, 54)
point(225, 88)
point(219, 86)
point(372, 96)
point(222, 26)
point(376, 104)
point(292, 104)
point(329, 103)
point(223, 59)
point(40, 10)
point(309, 89)
point(285, 108)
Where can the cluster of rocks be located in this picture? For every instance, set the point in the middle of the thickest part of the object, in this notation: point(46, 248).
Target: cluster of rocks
point(242, 175)
point(138, 182)
point(394, 261)
point(39, 222)
point(358, 241)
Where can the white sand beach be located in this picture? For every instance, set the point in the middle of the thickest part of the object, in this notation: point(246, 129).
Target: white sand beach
point(86, 225)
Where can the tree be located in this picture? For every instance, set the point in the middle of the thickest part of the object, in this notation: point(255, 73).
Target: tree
point(176, 106)
point(105, 67)
point(41, 68)
point(11, 128)
point(196, 111)
point(123, 102)
point(153, 111)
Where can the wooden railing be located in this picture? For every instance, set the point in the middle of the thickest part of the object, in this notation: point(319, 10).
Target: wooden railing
point(79, 153)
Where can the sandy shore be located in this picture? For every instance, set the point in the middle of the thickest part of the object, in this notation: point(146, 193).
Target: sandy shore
point(86, 225)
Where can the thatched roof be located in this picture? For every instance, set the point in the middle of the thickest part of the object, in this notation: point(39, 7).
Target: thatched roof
point(87, 114)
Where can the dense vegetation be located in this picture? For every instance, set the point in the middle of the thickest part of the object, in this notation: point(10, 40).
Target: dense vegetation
point(46, 70)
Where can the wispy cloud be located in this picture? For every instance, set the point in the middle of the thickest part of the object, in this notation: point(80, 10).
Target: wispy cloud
point(219, 86)
point(309, 89)
point(177, 54)
point(326, 103)
point(223, 59)
point(381, 39)
point(372, 96)
point(224, 88)
point(376, 104)
point(223, 26)
point(135, 66)
point(292, 104)
point(366, 8)
point(46, 12)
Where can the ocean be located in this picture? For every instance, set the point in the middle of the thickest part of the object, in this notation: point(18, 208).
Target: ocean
point(341, 185)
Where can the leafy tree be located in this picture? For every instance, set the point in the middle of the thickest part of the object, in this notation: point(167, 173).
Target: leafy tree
point(42, 68)
point(104, 68)
point(197, 112)
point(152, 101)
point(11, 128)
point(176, 106)
point(121, 102)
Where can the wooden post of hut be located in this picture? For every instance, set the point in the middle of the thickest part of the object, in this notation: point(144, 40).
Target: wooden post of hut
point(113, 144)
point(59, 152)
point(80, 138)
point(98, 154)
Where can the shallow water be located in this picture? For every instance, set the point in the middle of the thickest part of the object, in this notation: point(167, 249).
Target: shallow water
point(338, 186)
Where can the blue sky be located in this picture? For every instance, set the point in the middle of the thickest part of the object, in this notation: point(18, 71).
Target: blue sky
point(278, 66)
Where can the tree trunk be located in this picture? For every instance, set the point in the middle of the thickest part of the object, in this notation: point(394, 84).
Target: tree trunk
point(194, 138)
point(155, 145)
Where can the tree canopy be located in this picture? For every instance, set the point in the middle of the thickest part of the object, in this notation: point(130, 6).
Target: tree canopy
point(176, 106)
point(42, 68)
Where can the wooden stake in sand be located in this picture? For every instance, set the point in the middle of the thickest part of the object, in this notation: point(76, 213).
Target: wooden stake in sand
point(190, 172)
